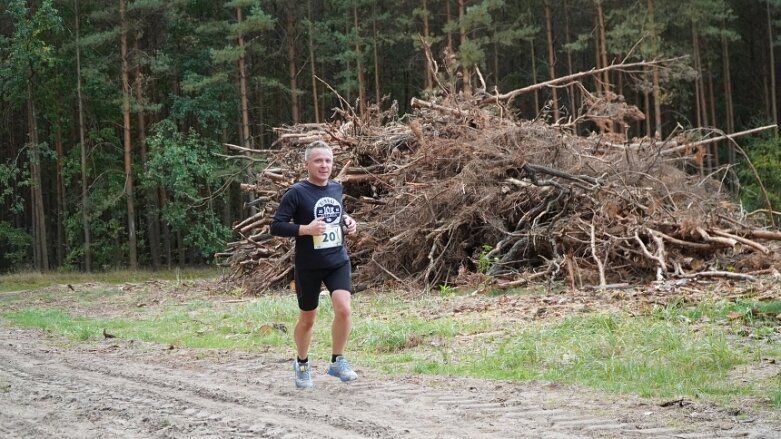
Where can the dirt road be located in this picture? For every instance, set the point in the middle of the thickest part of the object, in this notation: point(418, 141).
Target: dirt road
point(128, 389)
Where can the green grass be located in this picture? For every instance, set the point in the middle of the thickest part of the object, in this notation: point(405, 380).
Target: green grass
point(775, 398)
point(193, 325)
point(610, 352)
point(672, 351)
point(57, 322)
point(33, 280)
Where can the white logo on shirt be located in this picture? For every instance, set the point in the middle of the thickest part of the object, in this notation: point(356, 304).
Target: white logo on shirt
point(329, 209)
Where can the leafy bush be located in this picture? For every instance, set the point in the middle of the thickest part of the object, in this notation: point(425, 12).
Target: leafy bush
point(16, 245)
point(187, 167)
point(765, 155)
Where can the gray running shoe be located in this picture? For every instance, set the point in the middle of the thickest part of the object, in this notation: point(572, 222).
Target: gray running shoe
point(342, 370)
point(303, 379)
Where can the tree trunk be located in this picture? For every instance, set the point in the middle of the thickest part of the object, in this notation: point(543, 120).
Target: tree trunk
point(260, 143)
point(714, 147)
point(602, 44)
point(40, 250)
point(180, 250)
point(647, 109)
point(429, 79)
point(699, 96)
point(131, 207)
point(467, 77)
point(570, 87)
point(152, 201)
point(246, 140)
point(496, 60)
point(655, 74)
point(291, 59)
point(773, 105)
point(245, 132)
point(377, 93)
point(166, 230)
point(766, 89)
point(60, 184)
point(449, 17)
point(551, 59)
point(359, 64)
point(728, 106)
point(84, 196)
point(698, 111)
point(700, 80)
point(312, 61)
point(227, 215)
point(534, 78)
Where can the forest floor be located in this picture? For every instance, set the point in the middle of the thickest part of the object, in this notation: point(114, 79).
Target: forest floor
point(132, 389)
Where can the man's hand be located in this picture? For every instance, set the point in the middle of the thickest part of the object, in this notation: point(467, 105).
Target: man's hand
point(350, 224)
point(316, 227)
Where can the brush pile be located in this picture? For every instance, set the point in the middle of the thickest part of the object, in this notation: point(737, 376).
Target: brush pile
point(461, 192)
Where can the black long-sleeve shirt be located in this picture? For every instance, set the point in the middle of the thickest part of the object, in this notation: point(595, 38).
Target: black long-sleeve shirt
point(300, 205)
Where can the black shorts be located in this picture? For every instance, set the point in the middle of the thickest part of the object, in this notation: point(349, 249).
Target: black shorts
point(308, 284)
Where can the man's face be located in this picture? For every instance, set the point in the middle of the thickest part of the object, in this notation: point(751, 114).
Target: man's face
point(319, 166)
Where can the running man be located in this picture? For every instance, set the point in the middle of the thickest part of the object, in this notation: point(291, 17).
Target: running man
point(312, 212)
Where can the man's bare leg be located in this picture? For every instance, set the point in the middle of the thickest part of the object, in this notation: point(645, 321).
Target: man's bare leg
point(340, 328)
point(303, 332)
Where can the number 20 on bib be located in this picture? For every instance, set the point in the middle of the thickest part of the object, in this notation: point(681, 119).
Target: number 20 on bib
point(332, 237)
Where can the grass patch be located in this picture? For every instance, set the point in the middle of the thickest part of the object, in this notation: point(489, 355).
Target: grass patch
point(34, 280)
point(194, 325)
point(614, 352)
point(57, 322)
point(775, 398)
point(673, 351)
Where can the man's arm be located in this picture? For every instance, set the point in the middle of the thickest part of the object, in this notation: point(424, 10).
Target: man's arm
point(281, 224)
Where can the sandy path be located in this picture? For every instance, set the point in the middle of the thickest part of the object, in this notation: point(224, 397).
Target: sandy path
point(127, 389)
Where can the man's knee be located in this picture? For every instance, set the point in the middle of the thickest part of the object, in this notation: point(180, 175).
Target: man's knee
point(306, 319)
point(341, 302)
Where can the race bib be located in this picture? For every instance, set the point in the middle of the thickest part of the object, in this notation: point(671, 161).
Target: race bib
point(332, 237)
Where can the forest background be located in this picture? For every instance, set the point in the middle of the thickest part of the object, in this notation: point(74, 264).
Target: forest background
point(116, 114)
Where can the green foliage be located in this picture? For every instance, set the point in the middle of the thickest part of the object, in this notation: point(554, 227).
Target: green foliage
point(30, 54)
point(256, 21)
point(446, 290)
point(186, 166)
point(470, 53)
point(209, 102)
point(16, 245)
point(484, 262)
point(12, 179)
point(107, 212)
point(765, 155)
point(484, 24)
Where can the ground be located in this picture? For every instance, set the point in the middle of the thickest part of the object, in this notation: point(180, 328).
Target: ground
point(132, 389)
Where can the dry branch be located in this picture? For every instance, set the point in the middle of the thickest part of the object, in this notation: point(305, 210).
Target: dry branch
point(570, 78)
point(417, 103)
point(676, 147)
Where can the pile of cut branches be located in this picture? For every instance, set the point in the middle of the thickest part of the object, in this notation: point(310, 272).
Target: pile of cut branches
point(461, 192)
